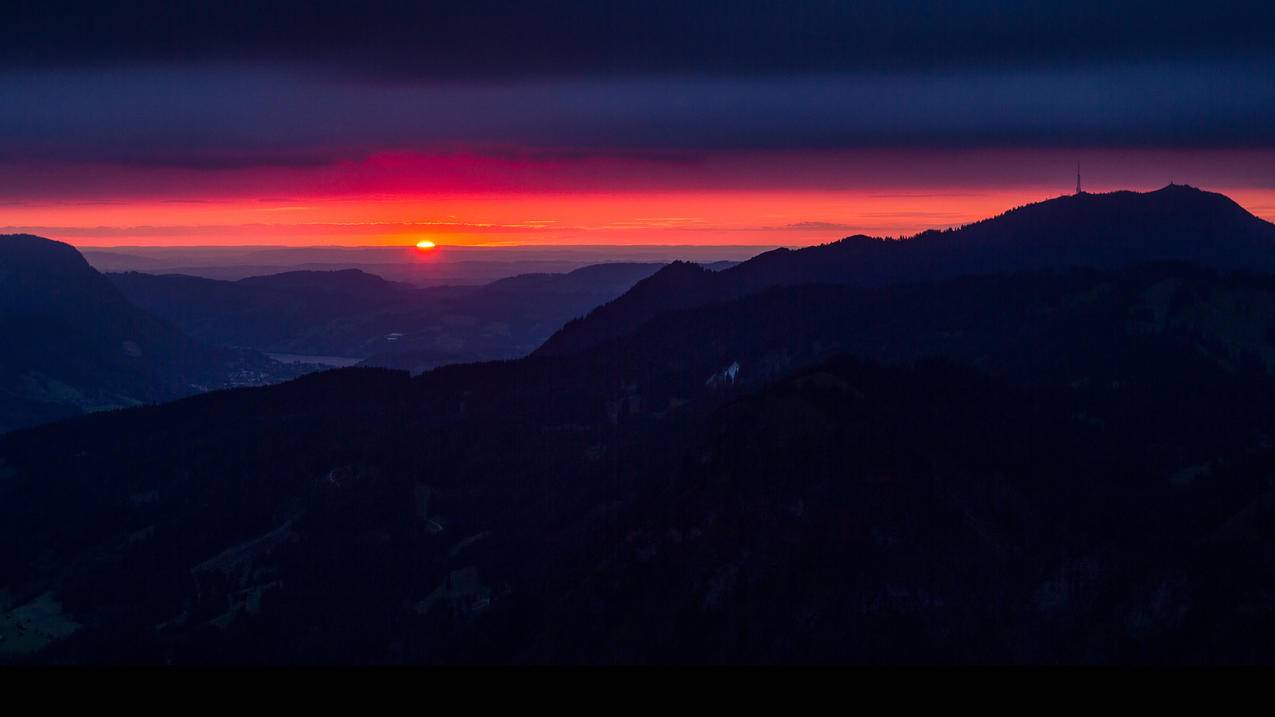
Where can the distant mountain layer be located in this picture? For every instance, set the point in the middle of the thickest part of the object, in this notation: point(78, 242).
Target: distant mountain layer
point(354, 314)
point(450, 265)
point(73, 343)
point(1176, 223)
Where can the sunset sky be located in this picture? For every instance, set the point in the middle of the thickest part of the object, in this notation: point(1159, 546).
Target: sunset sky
point(586, 123)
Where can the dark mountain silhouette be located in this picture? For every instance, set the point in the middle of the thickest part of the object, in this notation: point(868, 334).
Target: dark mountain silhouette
point(73, 343)
point(294, 312)
point(510, 317)
point(354, 314)
point(1176, 223)
point(1092, 490)
point(351, 283)
point(1061, 465)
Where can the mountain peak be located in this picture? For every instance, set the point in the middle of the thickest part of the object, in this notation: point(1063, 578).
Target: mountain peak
point(1202, 197)
point(1177, 223)
point(1178, 215)
point(29, 248)
point(673, 286)
point(679, 269)
point(35, 271)
point(73, 343)
point(1183, 188)
point(339, 281)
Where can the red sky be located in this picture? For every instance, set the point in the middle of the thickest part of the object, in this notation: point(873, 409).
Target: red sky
point(763, 198)
point(303, 122)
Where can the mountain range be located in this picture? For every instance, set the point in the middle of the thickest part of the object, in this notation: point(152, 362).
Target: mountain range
point(73, 343)
point(921, 450)
point(1176, 223)
point(360, 316)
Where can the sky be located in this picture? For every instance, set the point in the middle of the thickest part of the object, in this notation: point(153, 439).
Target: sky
point(691, 122)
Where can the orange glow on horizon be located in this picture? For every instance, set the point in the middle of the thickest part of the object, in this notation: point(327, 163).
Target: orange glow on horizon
point(739, 217)
point(461, 200)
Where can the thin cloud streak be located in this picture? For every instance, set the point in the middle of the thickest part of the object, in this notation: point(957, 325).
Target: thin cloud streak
point(221, 120)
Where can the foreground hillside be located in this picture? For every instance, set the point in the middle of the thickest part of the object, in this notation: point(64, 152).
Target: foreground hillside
point(784, 477)
point(73, 344)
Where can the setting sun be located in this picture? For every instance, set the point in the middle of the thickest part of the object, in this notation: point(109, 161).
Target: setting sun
point(425, 244)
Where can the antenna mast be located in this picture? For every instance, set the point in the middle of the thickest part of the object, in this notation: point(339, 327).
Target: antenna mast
point(1078, 189)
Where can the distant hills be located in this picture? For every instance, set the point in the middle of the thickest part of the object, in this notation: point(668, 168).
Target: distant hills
point(73, 343)
point(1104, 231)
point(351, 313)
point(798, 462)
point(448, 265)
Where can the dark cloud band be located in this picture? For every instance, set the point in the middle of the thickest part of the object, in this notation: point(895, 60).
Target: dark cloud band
point(235, 118)
point(462, 40)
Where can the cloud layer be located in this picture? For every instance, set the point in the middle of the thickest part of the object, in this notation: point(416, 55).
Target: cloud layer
point(114, 110)
point(492, 39)
point(216, 118)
